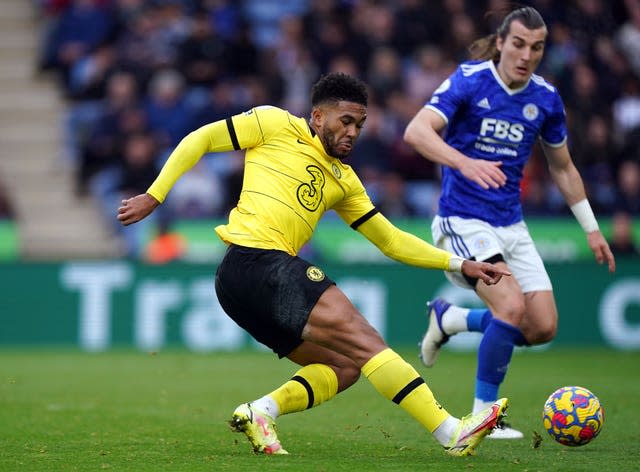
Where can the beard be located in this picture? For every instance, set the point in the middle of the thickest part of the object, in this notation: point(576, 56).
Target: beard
point(329, 142)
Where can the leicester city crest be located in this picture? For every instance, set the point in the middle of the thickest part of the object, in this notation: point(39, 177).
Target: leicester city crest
point(530, 111)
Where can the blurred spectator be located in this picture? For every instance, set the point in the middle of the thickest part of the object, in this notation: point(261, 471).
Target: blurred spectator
point(562, 53)
point(371, 158)
point(417, 26)
point(384, 74)
point(201, 54)
point(627, 37)
point(168, 112)
point(6, 207)
point(105, 123)
point(295, 65)
point(628, 198)
point(88, 76)
point(594, 150)
point(81, 28)
point(131, 67)
point(392, 200)
point(198, 194)
point(426, 70)
point(137, 173)
point(622, 241)
point(626, 109)
point(166, 246)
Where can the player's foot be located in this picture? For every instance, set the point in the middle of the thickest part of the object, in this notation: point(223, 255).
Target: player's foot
point(505, 431)
point(258, 427)
point(473, 428)
point(435, 337)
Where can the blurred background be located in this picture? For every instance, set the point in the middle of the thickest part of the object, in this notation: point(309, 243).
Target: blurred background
point(95, 94)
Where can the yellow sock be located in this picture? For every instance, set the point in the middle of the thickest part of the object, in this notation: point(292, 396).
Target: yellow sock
point(398, 381)
point(310, 386)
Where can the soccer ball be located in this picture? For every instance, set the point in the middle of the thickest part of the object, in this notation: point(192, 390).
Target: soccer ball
point(573, 416)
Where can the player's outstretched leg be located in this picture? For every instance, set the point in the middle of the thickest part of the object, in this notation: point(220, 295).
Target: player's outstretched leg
point(474, 427)
point(258, 427)
point(435, 337)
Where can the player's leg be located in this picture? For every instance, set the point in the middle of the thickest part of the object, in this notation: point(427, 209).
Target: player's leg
point(524, 313)
point(324, 373)
point(336, 324)
point(445, 320)
point(502, 334)
point(472, 239)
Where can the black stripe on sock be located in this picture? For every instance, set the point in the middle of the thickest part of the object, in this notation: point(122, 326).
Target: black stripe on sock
point(410, 387)
point(232, 134)
point(307, 387)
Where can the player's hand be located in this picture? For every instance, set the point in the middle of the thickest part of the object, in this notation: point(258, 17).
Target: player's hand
point(136, 208)
point(490, 274)
point(487, 174)
point(601, 250)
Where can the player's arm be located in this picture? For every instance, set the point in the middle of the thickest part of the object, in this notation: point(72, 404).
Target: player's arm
point(568, 180)
point(423, 134)
point(409, 249)
point(214, 137)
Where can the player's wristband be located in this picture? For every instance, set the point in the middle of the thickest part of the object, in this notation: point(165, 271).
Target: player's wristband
point(584, 214)
point(455, 263)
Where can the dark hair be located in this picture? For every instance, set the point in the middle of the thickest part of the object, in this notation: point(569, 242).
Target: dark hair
point(485, 48)
point(338, 86)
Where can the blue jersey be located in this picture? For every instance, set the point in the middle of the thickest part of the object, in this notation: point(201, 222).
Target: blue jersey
point(487, 120)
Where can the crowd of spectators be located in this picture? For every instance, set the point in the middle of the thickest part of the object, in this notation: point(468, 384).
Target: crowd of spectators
point(140, 74)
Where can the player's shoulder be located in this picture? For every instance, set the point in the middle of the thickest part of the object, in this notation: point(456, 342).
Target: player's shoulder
point(541, 84)
point(267, 111)
point(273, 117)
point(474, 68)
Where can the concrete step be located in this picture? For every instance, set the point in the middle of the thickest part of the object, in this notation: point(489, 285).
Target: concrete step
point(59, 249)
point(53, 224)
point(19, 70)
point(18, 53)
point(18, 9)
point(12, 36)
point(38, 95)
point(24, 131)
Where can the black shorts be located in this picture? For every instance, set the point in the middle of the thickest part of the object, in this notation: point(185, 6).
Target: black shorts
point(269, 294)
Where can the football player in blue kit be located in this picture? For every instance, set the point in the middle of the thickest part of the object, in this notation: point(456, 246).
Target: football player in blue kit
point(494, 109)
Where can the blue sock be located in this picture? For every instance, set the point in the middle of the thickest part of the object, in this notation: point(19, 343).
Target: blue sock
point(494, 356)
point(478, 319)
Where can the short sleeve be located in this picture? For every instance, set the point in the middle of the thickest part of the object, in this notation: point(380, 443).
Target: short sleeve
point(554, 129)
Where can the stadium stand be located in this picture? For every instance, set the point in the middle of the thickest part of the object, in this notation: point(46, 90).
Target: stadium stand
point(111, 69)
point(52, 223)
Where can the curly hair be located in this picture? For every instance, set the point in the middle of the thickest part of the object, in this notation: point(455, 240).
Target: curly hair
point(338, 86)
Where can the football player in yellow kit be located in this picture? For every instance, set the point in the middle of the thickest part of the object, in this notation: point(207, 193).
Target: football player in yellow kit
point(294, 172)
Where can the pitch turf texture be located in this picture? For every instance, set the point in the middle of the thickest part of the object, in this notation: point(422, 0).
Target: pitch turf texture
point(131, 411)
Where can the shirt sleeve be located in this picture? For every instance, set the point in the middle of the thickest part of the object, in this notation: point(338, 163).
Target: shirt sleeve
point(448, 97)
point(214, 137)
point(554, 129)
point(242, 131)
point(402, 246)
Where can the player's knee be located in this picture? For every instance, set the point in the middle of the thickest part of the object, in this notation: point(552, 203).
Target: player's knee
point(543, 333)
point(512, 311)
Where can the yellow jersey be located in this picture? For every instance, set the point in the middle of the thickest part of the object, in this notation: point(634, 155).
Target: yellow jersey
point(289, 183)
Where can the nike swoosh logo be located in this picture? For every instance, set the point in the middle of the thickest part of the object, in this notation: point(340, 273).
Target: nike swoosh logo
point(301, 142)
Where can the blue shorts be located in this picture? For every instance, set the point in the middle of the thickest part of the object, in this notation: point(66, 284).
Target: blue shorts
point(269, 294)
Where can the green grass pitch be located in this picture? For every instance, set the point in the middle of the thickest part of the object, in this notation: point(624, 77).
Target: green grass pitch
point(65, 410)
